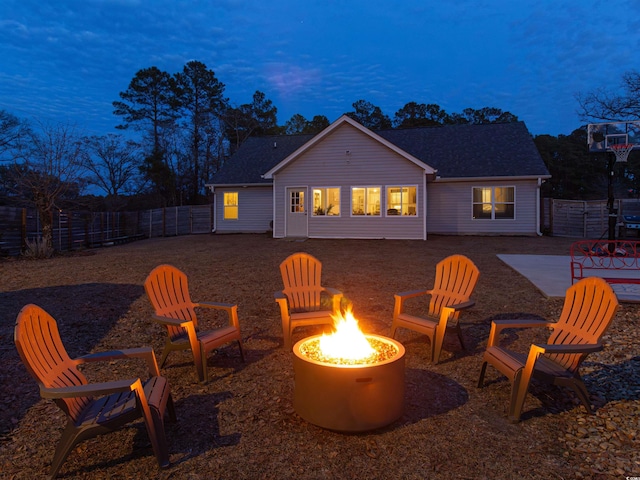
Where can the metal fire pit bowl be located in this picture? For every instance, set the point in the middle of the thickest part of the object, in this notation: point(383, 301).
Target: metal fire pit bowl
point(349, 398)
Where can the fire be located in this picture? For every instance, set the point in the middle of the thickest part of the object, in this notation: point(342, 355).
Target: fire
point(347, 341)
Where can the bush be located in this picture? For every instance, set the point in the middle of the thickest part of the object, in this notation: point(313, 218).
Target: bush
point(37, 248)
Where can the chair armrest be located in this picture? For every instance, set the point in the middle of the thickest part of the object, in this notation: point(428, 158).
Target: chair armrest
point(217, 305)
point(336, 298)
point(498, 325)
point(572, 348)
point(230, 308)
point(402, 296)
point(332, 291)
point(145, 353)
point(462, 306)
point(412, 294)
point(91, 389)
point(173, 322)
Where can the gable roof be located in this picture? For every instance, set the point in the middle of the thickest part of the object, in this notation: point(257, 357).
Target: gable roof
point(454, 151)
point(335, 125)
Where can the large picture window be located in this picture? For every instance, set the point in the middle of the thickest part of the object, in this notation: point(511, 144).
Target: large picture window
point(230, 205)
point(326, 201)
point(401, 200)
point(494, 203)
point(365, 201)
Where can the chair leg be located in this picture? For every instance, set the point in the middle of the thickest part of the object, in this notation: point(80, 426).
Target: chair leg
point(459, 331)
point(203, 372)
point(582, 393)
point(70, 439)
point(482, 372)
point(519, 389)
point(241, 351)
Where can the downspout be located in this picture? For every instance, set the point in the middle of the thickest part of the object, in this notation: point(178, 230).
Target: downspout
point(424, 206)
point(215, 214)
point(538, 232)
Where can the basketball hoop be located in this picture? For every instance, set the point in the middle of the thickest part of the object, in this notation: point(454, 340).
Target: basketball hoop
point(621, 151)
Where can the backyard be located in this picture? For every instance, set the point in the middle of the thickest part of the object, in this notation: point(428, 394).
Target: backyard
point(242, 424)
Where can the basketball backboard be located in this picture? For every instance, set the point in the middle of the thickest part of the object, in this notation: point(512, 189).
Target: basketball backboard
point(601, 136)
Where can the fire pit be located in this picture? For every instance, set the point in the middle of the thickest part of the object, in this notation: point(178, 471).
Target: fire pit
point(349, 381)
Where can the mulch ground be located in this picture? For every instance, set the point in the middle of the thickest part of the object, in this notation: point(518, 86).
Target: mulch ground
point(242, 424)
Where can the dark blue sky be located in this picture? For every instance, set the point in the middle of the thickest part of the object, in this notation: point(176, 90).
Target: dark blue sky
point(67, 60)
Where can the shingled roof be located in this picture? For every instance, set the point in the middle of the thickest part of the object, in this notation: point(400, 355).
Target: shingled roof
point(455, 151)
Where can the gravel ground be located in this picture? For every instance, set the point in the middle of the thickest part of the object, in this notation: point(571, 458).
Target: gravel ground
point(242, 425)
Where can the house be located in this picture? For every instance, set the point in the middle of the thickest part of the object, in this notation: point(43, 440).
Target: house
point(350, 182)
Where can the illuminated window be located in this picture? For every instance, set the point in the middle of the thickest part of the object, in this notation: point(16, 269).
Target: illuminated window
point(365, 201)
point(494, 203)
point(230, 205)
point(296, 204)
point(402, 200)
point(326, 201)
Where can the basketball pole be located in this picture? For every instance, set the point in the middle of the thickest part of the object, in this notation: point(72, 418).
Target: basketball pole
point(613, 212)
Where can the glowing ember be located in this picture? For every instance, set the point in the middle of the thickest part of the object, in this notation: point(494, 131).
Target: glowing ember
point(381, 352)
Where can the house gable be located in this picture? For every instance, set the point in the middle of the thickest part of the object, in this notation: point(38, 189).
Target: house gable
point(346, 120)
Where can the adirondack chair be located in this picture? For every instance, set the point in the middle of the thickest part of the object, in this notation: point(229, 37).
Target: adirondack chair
point(589, 308)
point(301, 300)
point(456, 277)
point(168, 292)
point(92, 408)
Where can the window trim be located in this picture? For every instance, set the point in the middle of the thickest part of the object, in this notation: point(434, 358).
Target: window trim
point(386, 200)
point(493, 203)
point(226, 206)
point(313, 211)
point(380, 199)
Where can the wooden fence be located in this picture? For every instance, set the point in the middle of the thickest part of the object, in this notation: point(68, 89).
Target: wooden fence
point(585, 219)
point(76, 229)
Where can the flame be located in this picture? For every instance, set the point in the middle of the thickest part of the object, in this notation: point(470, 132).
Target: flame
point(347, 341)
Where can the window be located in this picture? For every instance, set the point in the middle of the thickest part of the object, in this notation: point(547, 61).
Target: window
point(326, 201)
point(296, 204)
point(230, 205)
point(365, 201)
point(494, 203)
point(401, 200)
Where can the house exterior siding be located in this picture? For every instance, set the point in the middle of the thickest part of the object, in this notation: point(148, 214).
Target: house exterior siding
point(255, 209)
point(450, 209)
point(349, 158)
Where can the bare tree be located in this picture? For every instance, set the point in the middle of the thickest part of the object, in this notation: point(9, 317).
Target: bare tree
point(47, 165)
point(621, 103)
point(114, 165)
point(11, 129)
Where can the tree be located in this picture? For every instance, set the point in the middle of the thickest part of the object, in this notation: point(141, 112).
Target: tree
point(200, 97)
point(149, 104)
point(483, 116)
point(114, 165)
point(256, 118)
point(48, 166)
point(420, 115)
point(369, 115)
point(298, 124)
point(621, 103)
point(574, 173)
point(11, 129)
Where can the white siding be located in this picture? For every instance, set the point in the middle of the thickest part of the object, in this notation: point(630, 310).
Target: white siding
point(449, 209)
point(254, 210)
point(346, 158)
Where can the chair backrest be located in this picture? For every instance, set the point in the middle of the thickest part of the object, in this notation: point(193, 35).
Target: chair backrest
point(43, 354)
point(589, 308)
point(301, 276)
point(168, 292)
point(456, 277)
